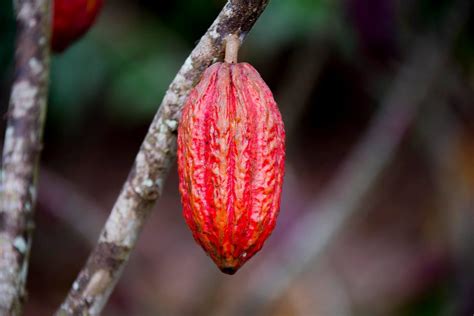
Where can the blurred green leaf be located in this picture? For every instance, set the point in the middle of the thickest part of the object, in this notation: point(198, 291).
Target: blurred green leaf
point(285, 21)
point(77, 78)
point(136, 92)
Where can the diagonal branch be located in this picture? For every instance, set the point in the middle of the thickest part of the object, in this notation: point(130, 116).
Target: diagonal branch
point(22, 149)
point(143, 187)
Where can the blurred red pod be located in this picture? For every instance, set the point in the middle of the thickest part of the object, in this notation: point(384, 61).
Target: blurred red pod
point(231, 153)
point(71, 20)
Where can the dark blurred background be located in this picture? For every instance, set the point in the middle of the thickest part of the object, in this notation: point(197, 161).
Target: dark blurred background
point(378, 102)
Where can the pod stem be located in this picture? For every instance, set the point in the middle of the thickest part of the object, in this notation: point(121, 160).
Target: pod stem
point(232, 45)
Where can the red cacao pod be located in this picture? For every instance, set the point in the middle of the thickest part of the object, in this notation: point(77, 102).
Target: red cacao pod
point(71, 20)
point(231, 152)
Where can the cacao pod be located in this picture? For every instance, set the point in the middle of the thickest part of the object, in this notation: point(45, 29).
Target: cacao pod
point(231, 152)
point(71, 20)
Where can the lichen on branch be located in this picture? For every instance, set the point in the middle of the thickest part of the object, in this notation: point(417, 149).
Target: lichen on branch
point(22, 148)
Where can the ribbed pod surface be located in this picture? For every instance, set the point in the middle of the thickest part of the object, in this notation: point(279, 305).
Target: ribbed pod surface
point(231, 152)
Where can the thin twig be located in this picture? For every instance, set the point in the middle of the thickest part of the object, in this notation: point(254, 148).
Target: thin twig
point(22, 148)
point(143, 187)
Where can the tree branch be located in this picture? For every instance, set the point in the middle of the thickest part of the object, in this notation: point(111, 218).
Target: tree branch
point(143, 187)
point(22, 148)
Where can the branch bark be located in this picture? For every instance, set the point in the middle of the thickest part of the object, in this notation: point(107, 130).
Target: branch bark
point(144, 184)
point(22, 148)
